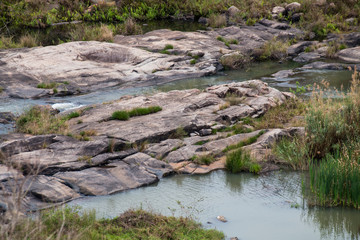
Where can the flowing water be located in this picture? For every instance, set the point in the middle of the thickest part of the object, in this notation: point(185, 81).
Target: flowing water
point(257, 207)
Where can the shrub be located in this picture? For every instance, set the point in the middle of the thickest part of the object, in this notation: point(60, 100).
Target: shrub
point(92, 33)
point(39, 120)
point(217, 21)
point(28, 41)
point(274, 49)
point(204, 159)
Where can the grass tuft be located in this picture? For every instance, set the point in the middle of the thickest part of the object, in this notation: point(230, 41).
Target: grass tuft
point(239, 161)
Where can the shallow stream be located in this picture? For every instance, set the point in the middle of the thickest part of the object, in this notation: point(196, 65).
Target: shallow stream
point(257, 207)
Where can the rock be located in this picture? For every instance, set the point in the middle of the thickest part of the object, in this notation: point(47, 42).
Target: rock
point(351, 21)
point(234, 113)
point(203, 20)
point(278, 10)
point(233, 11)
point(325, 65)
point(217, 146)
point(293, 7)
point(25, 144)
point(27, 92)
point(205, 132)
point(273, 24)
point(185, 153)
point(221, 218)
point(6, 117)
point(134, 171)
point(307, 57)
point(351, 55)
point(296, 17)
point(299, 47)
point(283, 74)
point(49, 189)
point(8, 173)
point(163, 148)
point(350, 40)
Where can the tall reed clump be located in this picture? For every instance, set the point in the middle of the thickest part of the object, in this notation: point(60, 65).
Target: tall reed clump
point(333, 137)
point(336, 179)
point(239, 161)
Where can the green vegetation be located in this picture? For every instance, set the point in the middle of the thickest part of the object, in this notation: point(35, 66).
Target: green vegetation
point(126, 115)
point(292, 152)
point(193, 61)
point(39, 120)
point(217, 21)
point(73, 115)
point(274, 49)
point(246, 142)
point(47, 85)
point(239, 161)
point(203, 159)
point(179, 133)
point(234, 60)
point(166, 48)
point(68, 223)
point(120, 115)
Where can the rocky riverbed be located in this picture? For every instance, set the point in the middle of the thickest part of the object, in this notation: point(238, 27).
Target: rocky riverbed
point(121, 155)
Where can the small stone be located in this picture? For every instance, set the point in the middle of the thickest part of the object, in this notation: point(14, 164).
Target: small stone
point(293, 7)
point(221, 218)
point(233, 11)
point(296, 17)
point(205, 132)
point(203, 20)
point(278, 10)
point(234, 238)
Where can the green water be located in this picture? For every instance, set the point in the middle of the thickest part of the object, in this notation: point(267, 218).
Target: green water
point(257, 207)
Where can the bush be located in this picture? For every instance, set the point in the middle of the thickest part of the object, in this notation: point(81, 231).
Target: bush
point(217, 21)
point(144, 111)
point(274, 49)
point(39, 120)
point(73, 115)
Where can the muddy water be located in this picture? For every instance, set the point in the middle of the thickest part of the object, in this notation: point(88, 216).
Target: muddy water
point(256, 207)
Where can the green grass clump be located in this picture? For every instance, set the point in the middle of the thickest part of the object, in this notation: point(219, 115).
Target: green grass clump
point(38, 121)
point(69, 223)
point(144, 111)
point(72, 115)
point(126, 115)
point(203, 159)
point(50, 85)
point(120, 115)
point(292, 152)
point(193, 61)
point(166, 48)
point(239, 161)
point(274, 49)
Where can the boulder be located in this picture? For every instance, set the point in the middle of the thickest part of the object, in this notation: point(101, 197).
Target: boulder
point(351, 55)
point(308, 57)
point(233, 11)
point(299, 47)
point(293, 7)
point(6, 117)
point(134, 171)
point(278, 10)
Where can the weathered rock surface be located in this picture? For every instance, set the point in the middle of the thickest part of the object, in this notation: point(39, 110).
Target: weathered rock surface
point(6, 117)
point(130, 61)
point(297, 48)
point(132, 172)
point(308, 57)
point(351, 55)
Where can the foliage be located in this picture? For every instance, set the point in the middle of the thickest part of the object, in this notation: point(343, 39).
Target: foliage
point(239, 160)
point(39, 120)
point(204, 159)
point(274, 49)
point(69, 223)
point(217, 21)
point(292, 151)
point(126, 115)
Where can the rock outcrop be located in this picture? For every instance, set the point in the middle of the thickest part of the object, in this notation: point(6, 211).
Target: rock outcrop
point(51, 169)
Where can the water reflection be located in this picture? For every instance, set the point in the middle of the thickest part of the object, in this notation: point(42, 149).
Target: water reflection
point(341, 223)
point(273, 203)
